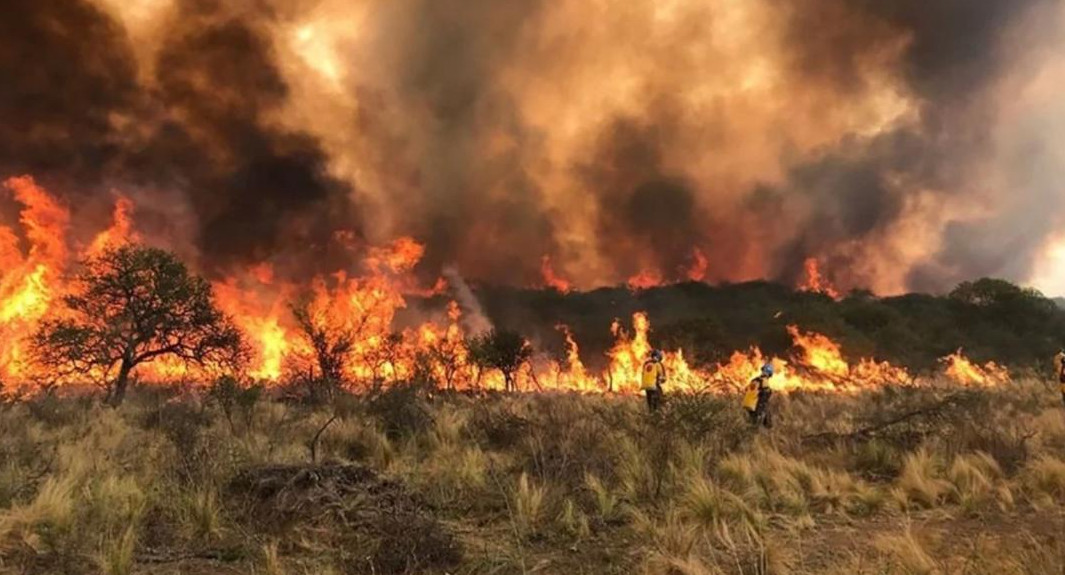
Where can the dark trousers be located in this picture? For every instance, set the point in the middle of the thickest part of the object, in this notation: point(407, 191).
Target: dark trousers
point(654, 398)
point(760, 415)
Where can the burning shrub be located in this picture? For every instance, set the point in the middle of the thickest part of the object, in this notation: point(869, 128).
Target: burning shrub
point(505, 351)
point(332, 345)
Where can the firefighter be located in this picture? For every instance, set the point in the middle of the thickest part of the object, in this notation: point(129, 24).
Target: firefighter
point(654, 376)
point(756, 400)
point(1059, 370)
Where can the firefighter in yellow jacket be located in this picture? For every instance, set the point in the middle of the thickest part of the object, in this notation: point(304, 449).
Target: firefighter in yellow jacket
point(756, 399)
point(652, 378)
point(1059, 371)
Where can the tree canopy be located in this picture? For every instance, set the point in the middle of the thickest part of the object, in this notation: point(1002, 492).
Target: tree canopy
point(504, 350)
point(136, 305)
point(991, 319)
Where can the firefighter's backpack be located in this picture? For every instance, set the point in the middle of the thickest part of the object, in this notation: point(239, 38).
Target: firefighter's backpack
point(750, 399)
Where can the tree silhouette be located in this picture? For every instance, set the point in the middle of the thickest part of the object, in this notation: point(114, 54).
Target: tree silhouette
point(136, 305)
point(506, 351)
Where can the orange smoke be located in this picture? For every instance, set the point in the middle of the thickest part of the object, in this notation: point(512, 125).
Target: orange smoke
point(121, 230)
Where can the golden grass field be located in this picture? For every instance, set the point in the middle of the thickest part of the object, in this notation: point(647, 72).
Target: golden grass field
point(938, 480)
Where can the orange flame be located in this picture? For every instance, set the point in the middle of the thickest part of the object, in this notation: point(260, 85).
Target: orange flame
point(820, 353)
point(646, 279)
point(961, 370)
point(700, 265)
point(817, 283)
point(31, 282)
point(551, 279)
point(121, 230)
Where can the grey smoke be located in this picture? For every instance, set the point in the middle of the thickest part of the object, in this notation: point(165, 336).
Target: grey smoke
point(474, 320)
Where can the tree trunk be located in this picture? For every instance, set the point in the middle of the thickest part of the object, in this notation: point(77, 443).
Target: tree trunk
point(118, 393)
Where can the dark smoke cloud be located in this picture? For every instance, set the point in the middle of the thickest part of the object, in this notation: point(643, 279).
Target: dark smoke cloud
point(649, 218)
point(473, 208)
point(248, 181)
point(76, 113)
point(68, 78)
point(955, 54)
point(955, 44)
point(442, 129)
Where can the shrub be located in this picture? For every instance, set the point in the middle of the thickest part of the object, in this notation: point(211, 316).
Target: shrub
point(402, 410)
point(235, 400)
point(497, 425)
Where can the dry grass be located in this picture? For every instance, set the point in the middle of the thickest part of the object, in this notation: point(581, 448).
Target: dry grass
point(921, 484)
point(528, 504)
point(1044, 480)
point(907, 555)
point(116, 553)
point(979, 482)
point(548, 484)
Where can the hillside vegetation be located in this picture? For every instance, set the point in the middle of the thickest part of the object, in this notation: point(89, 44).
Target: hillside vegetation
point(993, 320)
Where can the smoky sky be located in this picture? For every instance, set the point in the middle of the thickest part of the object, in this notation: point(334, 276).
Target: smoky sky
point(75, 113)
point(438, 130)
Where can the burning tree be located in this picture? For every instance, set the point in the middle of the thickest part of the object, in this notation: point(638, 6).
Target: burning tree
point(447, 355)
point(332, 345)
point(136, 305)
point(506, 351)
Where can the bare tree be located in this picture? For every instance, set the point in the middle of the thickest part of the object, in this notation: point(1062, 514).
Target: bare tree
point(387, 353)
point(446, 354)
point(332, 345)
point(136, 305)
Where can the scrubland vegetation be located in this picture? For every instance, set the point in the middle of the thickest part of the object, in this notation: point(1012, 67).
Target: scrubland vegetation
point(408, 480)
point(991, 319)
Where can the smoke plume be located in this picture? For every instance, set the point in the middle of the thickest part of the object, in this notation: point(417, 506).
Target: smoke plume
point(905, 144)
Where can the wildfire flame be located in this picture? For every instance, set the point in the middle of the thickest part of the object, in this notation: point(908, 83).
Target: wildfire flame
point(552, 279)
point(365, 305)
point(700, 266)
point(961, 370)
point(646, 279)
point(817, 283)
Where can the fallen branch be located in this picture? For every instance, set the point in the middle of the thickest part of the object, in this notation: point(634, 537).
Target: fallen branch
point(220, 555)
point(865, 433)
